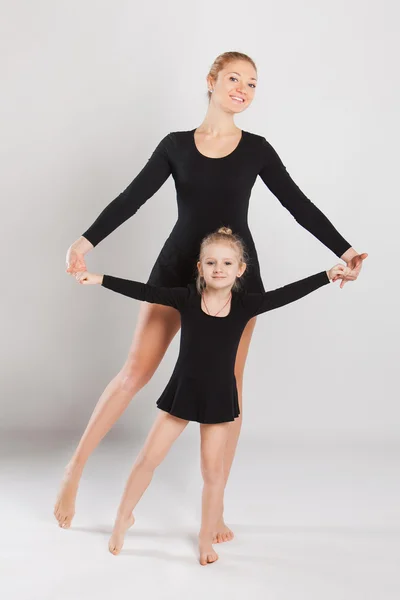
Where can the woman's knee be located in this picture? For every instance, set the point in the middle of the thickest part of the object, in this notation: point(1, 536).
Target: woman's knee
point(148, 461)
point(134, 375)
point(213, 473)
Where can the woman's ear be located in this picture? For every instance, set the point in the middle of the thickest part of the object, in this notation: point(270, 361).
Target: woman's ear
point(199, 268)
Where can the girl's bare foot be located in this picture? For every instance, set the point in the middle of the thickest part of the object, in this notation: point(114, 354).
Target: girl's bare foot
point(207, 552)
point(223, 533)
point(64, 508)
point(117, 537)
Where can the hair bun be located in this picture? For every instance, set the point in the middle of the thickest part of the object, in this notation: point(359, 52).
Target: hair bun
point(225, 230)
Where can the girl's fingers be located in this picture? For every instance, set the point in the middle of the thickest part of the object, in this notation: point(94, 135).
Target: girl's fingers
point(80, 275)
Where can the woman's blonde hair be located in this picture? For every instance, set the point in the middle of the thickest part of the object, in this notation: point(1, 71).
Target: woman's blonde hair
point(224, 235)
point(224, 59)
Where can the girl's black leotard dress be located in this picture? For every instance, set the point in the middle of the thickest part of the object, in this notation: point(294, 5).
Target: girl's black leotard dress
point(211, 192)
point(202, 386)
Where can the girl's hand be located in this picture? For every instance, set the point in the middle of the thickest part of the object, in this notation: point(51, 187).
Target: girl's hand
point(88, 278)
point(338, 272)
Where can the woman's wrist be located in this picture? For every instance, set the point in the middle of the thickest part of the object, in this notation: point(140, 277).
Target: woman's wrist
point(349, 254)
point(82, 245)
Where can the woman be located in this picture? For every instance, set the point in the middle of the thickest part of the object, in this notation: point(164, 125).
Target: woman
point(214, 167)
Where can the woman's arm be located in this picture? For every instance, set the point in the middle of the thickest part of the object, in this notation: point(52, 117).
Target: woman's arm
point(278, 180)
point(145, 184)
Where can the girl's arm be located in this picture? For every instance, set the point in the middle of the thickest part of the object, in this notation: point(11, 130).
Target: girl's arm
point(260, 303)
point(145, 184)
point(176, 297)
point(278, 180)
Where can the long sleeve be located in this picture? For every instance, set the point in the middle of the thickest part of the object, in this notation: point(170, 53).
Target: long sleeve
point(175, 297)
point(278, 180)
point(146, 183)
point(263, 302)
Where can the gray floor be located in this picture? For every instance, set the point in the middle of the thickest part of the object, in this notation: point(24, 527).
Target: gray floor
point(315, 521)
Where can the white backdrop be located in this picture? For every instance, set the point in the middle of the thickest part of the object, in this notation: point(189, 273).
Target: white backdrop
point(89, 90)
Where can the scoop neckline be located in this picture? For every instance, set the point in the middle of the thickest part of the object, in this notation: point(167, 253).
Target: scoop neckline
point(216, 317)
point(218, 157)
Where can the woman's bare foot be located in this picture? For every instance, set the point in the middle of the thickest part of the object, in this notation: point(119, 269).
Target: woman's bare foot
point(223, 533)
point(64, 508)
point(117, 537)
point(207, 552)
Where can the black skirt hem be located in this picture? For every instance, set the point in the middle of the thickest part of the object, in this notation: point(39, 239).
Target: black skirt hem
point(196, 420)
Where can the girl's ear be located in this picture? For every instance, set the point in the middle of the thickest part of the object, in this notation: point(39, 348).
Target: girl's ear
point(242, 269)
point(199, 267)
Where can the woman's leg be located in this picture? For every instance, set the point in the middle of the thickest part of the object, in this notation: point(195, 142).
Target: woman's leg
point(164, 432)
point(223, 533)
point(213, 443)
point(156, 327)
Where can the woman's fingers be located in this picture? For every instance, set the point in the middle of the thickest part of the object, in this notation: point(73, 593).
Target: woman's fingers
point(349, 272)
point(355, 263)
point(74, 262)
point(75, 267)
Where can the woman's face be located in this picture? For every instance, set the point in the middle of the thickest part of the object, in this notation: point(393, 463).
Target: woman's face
point(235, 86)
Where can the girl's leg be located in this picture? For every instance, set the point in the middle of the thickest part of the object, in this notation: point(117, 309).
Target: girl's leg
point(213, 444)
point(223, 533)
point(162, 435)
point(156, 327)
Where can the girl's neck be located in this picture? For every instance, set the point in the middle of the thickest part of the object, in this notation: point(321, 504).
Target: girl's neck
point(217, 294)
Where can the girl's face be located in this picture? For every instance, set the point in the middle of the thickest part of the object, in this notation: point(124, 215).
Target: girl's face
point(219, 265)
point(235, 86)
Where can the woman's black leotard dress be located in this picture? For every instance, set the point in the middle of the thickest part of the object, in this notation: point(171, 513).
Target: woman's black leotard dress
point(202, 386)
point(211, 192)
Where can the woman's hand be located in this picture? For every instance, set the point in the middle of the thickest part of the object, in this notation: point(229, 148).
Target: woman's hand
point(75, 256)
point(89, 278)
point(354, 263)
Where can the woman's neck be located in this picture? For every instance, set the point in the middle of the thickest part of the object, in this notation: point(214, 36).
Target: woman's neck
point(217, 123)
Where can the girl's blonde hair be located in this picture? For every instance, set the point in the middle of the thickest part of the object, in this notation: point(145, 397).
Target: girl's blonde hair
point(222, 60)
point(224, 235)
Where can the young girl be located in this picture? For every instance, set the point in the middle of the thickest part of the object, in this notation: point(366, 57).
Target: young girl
point(202, 387)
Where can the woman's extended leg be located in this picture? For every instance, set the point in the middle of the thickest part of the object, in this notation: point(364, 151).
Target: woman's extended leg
point(213, 443)
point(223, 533)
point(156, 327)
point(162, 435)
